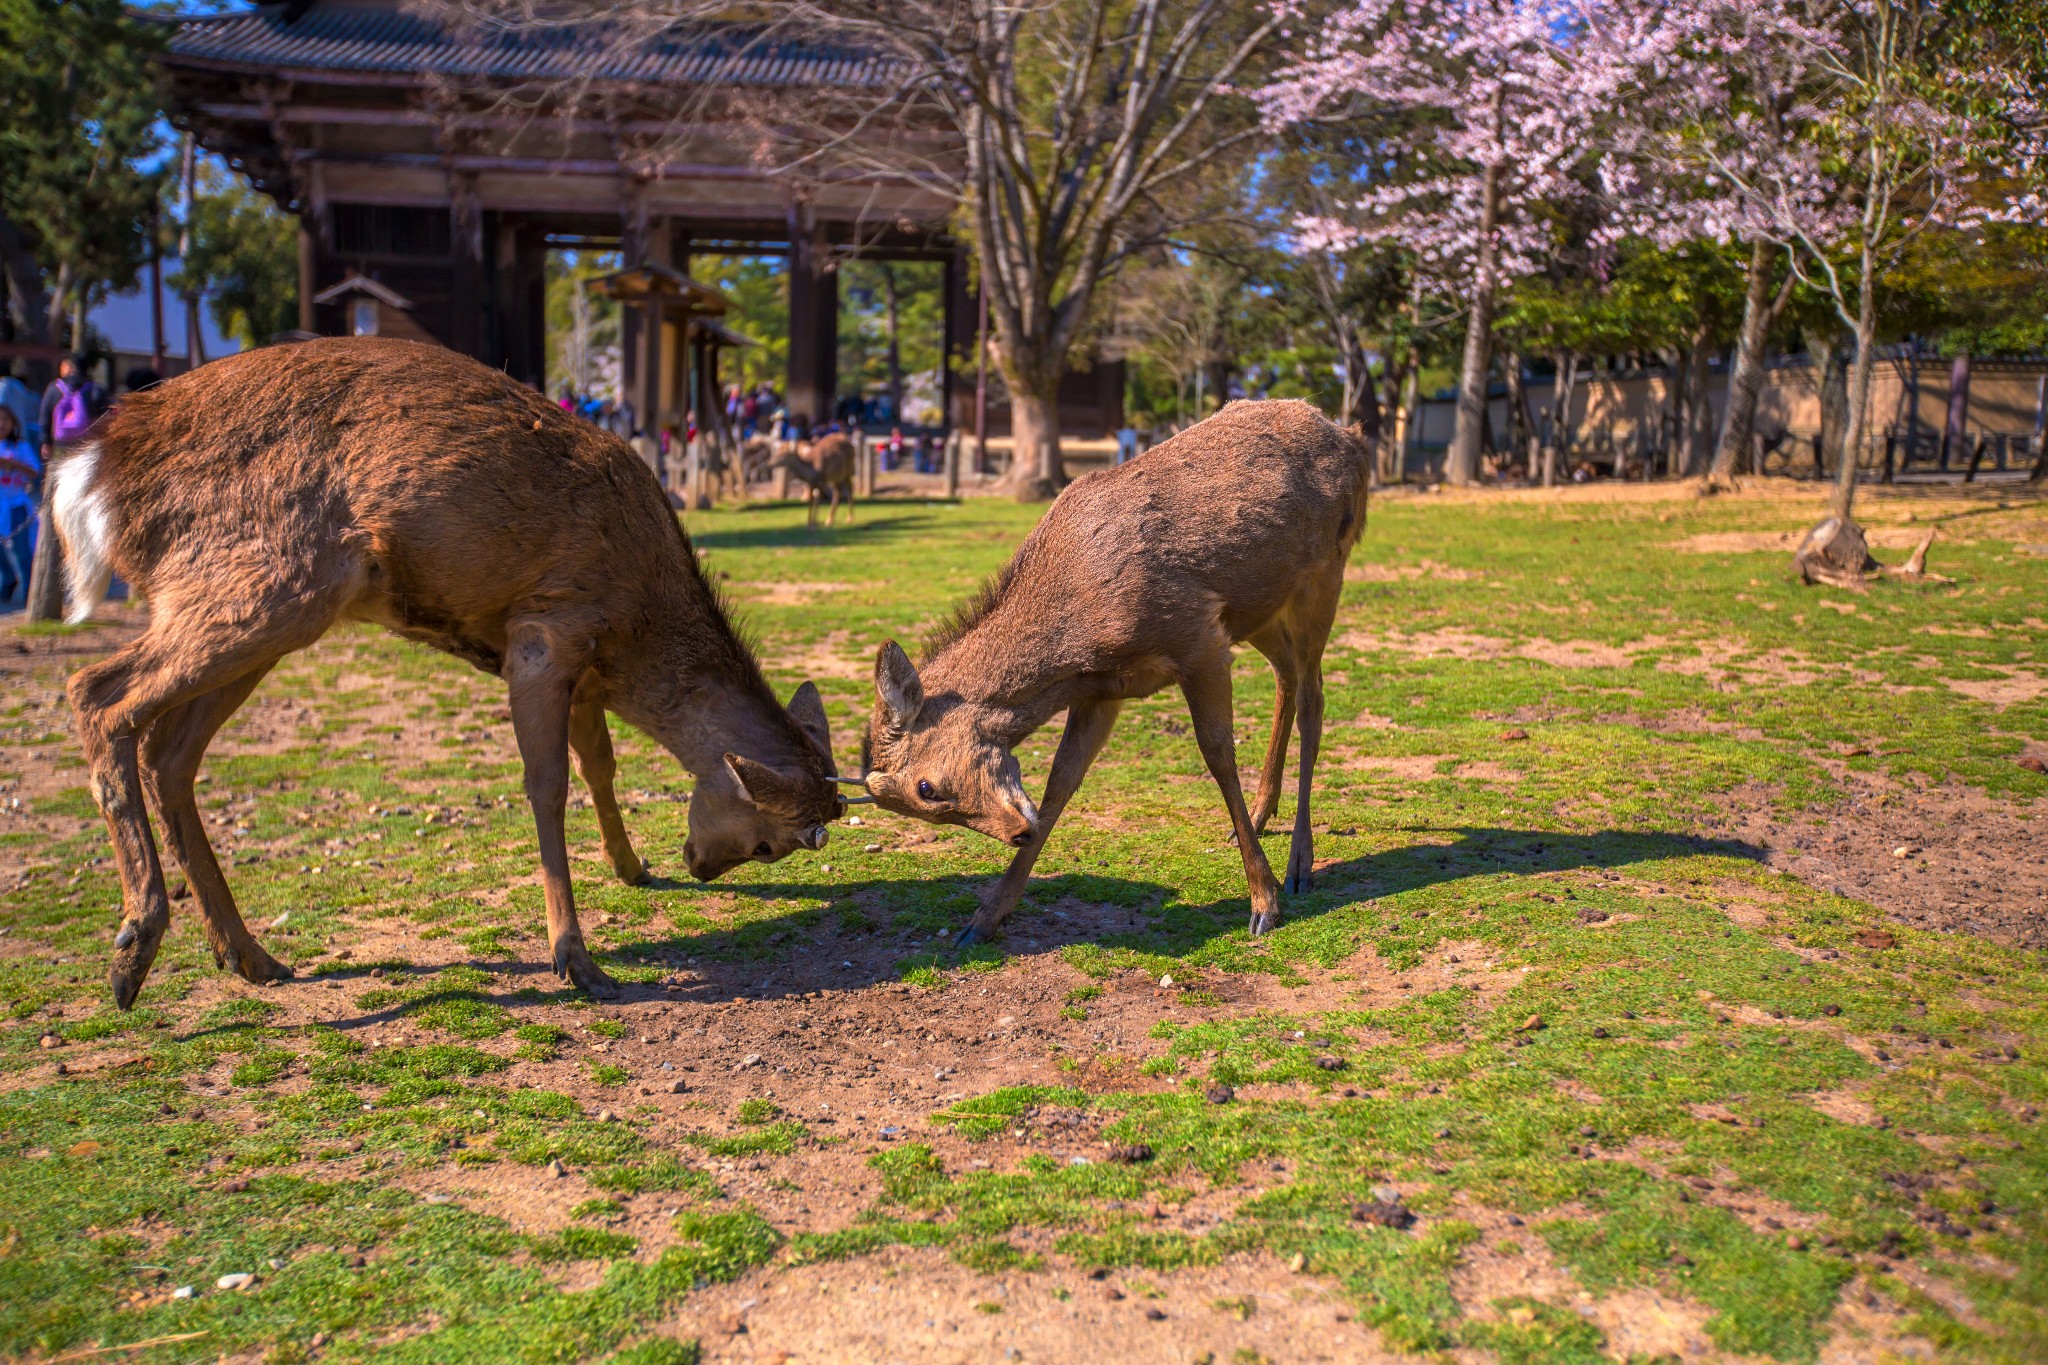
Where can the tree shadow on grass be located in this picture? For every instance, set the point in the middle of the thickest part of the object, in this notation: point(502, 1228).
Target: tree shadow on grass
point(866, 531)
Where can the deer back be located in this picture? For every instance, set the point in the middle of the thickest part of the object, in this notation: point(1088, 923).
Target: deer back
point(832, 458)
point(1227, 520)
point(469, 498)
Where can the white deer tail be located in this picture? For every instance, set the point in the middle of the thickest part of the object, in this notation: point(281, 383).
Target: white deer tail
point(85, 524)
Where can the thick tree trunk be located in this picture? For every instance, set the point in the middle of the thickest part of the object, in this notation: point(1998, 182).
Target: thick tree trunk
point(1036, 470)
point(26, 301)
point(1955, 427)
point(1855, 428)
point(1699, 405)
point(53, 313)
point(1828, 351)
point(1394, 443)
point(1518, 408)
point(1746, 375)
point(1216, 379)
point(1366, 414)
point(46, 568)
point(1404, 421)
point(1357, 377)
point(1461, 462)
point(2040, 471)
point(1835, 550)
point(1563, 391)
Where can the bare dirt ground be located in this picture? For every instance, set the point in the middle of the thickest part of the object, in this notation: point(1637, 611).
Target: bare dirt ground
point(1946, 858)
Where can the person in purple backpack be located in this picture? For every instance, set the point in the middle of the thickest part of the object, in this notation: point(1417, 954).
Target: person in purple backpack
point(70, 406)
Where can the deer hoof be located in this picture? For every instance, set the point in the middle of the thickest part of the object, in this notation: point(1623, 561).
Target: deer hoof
point(1264, 923)
point(969, 936)
point(258, 967)
point(127, 985)
point(631, 871)
point(134, 950)
point(1300, 881)
point(573, 964)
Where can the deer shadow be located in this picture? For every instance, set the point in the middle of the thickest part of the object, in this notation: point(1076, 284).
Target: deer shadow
point(800, 953)
point(861, 936)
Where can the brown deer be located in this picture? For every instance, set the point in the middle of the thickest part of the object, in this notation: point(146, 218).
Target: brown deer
point(261, 499)
point(1234, 531)
point(826, 469)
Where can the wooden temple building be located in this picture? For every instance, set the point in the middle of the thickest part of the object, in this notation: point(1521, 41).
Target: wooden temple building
point(426, 197)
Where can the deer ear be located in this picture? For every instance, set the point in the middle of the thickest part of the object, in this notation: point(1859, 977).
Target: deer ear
point(738, 766)
point(807, 709)
point(896, 683)
point(760, 784)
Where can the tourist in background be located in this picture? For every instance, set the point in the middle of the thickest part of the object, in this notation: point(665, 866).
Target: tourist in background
point(70, 406)
point(1126, 443)
point(21, 478)
point(19, 399)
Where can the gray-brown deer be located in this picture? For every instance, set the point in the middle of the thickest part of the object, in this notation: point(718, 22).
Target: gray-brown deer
point(827, 471)
point(261, 499)
point(1141, 576)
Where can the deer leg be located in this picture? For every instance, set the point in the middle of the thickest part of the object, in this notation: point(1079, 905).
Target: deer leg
point(1088, 727)
point(590, 742)
point(1278, 651)
point(848, 486)
point(1319, 614)
point(1207, 689)
point(114, 702)
point(1301, 852)
point(171, 753)
point(98, 692)
point(543, 685)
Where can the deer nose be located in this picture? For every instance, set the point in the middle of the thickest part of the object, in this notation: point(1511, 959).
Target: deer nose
point(1021, 837)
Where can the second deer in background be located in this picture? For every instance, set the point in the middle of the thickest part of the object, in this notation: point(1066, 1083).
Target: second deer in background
point(827, 471)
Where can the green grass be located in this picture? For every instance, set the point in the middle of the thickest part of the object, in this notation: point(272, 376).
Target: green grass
point(1678, 982)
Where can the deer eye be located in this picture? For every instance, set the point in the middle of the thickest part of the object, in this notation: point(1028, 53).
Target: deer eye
point(925, 792)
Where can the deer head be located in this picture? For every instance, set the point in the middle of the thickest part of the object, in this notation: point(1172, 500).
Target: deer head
point(935, 759)
point(744, 810)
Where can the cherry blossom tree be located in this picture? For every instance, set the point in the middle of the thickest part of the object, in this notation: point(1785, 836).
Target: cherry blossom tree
point(1839, 132)
point(1488, 114)
point(1714, 81)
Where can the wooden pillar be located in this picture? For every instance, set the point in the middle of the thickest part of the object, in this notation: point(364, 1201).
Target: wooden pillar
point(647, 392)
point(981, 387)
point(961, 304)
point(507, 328)
point(470, 332)
point(633, 371)
point(703, 493)
point(813, 320)
point(309, 285)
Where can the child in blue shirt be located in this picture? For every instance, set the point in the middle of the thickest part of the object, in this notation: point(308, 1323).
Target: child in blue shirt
point(21, 479)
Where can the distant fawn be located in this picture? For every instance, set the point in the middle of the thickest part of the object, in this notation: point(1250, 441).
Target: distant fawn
point(827, 470)
point(1140, 576)
point(261, 499)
